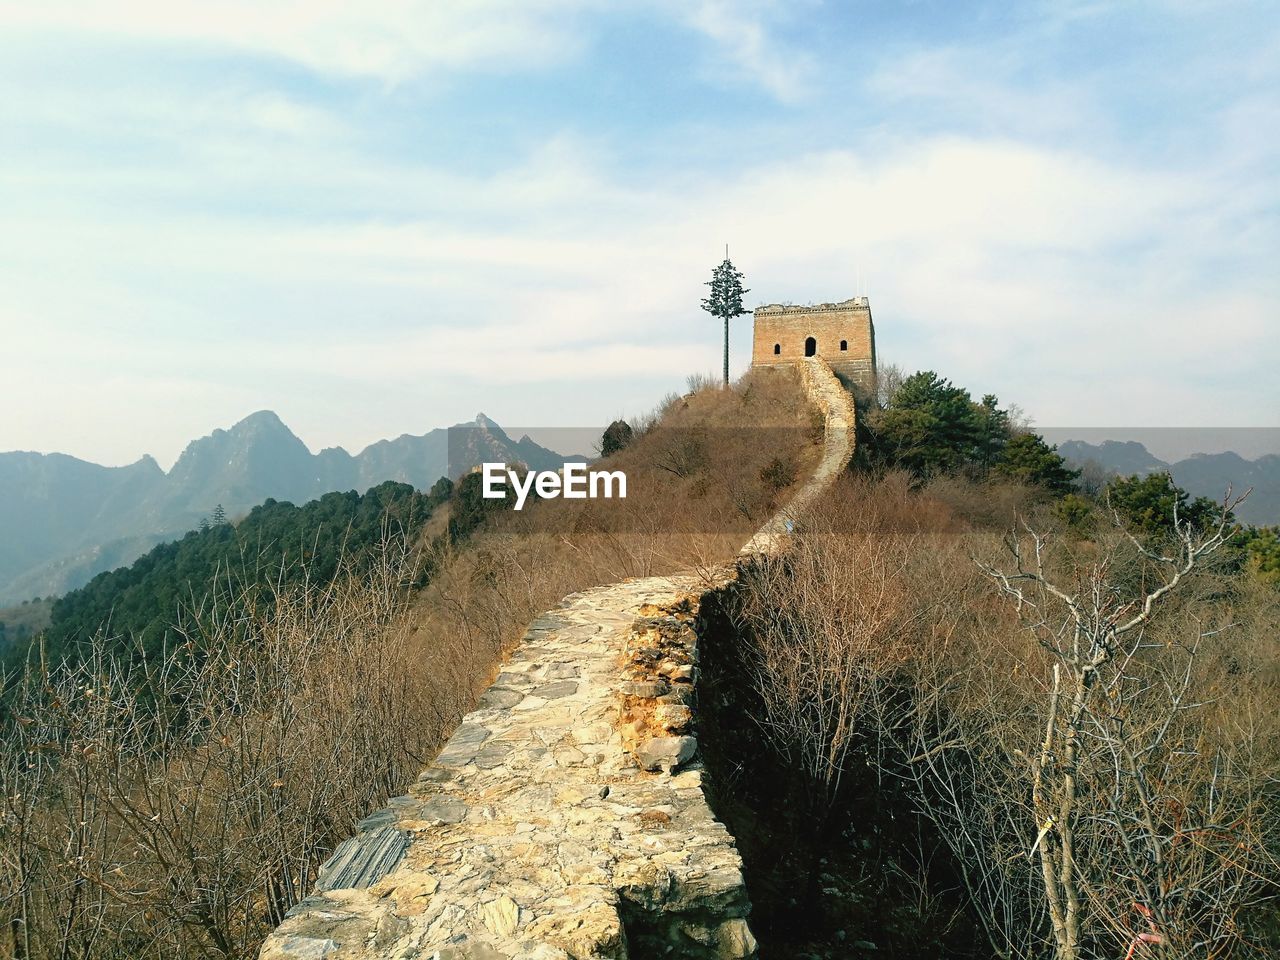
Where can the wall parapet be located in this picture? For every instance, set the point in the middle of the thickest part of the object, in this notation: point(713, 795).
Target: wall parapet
point(565, 818)
point(774, 309)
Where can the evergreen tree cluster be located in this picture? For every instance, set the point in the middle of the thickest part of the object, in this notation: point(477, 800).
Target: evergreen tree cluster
point(16, 636)
point(277, 544)
point(616, 437)
point(930, 427)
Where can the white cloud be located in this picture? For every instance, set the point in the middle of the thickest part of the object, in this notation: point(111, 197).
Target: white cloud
point(390, 40)
point(984, 89)
point(1071, 286)
point(394, 41)
point(747, 49)
point(252, 246)
point(276, 113)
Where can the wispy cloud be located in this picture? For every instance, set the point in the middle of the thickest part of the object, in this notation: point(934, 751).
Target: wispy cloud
point(389, 40)
point(747, 51)
point(980, 254)
point(184, 245)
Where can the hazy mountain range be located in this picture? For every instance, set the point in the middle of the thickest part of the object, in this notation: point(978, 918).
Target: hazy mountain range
point(1202, 475)
point(63, 520)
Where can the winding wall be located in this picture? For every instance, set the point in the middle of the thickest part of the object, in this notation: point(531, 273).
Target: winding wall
point(565, 818)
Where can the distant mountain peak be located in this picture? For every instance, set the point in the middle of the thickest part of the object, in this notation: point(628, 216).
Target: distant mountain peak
point(146, 464)
point(1123, 445)
point(260, 419)
point(1226, 456)
point(488, 426)
point(84, 517)
point(256, 453)
point(1122, 456)
point(1200, 474)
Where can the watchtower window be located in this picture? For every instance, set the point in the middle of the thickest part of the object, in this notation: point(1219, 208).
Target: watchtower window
point(844, 344)
point(810, 347)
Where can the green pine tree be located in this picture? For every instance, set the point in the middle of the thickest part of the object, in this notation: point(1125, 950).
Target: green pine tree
point(1152, 504)
point(617, 436)
point(725, 300)
point(933, 427)
point(1027, 458)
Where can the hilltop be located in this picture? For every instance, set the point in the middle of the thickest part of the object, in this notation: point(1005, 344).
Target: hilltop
point(306, 682)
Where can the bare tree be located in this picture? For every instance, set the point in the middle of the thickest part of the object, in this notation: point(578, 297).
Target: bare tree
point(1097, 755)
point(180, 805)
point(889, 377)
point(1140, 817)
point(832, 622)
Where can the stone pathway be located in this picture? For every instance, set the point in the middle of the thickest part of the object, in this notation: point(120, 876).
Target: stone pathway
point(836, 404)
point(565, 818)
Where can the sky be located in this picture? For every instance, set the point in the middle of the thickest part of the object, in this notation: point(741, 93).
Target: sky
point(383, 217)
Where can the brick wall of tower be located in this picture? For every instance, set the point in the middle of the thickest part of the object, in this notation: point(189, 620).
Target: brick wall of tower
point(788, 327)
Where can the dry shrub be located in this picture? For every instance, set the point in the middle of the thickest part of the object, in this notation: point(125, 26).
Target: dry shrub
point(989, 504)
point(839, 614)
point(697, 488)
point(178, 807)
point(698, 382)
point(1100, 788)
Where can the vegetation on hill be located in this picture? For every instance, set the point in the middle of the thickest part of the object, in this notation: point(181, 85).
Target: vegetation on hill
point(997, 713)
point(66, 520)
point(936, 432)
point(276, 547)
point(1261, 549)
point(175, 806)
point(702, 474)
point(1202, 474)
point(207, 725)
point(171, 786)
point(22, 621)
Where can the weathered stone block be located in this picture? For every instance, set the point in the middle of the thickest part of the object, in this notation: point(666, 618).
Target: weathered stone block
point(646, 689)
point(665, 753)
point(501, 916)
point(556, 690)
point(734, 940)
point(592, 934)
point(673, 717)
point(363, 860)
point(462, 746)
point(299, 948)
point(679, 672)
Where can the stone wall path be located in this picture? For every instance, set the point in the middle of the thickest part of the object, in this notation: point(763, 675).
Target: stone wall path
point(565, 818)
point(836, 404)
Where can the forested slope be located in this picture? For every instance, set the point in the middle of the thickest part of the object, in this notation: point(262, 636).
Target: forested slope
point(277, 546)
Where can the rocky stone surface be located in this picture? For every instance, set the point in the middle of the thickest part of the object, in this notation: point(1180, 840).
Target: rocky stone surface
point(565, 818)
point(837, 408)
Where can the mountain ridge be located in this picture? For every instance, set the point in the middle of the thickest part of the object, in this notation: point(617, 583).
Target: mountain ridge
point(67, 519)
point(1200, 474)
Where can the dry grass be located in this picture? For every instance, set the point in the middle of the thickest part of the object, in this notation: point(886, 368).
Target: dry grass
point(699, 484)
point(878, 639)
point(177, 807)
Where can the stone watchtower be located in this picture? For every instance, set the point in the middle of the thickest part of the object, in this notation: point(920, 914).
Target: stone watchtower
point(840, 333)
